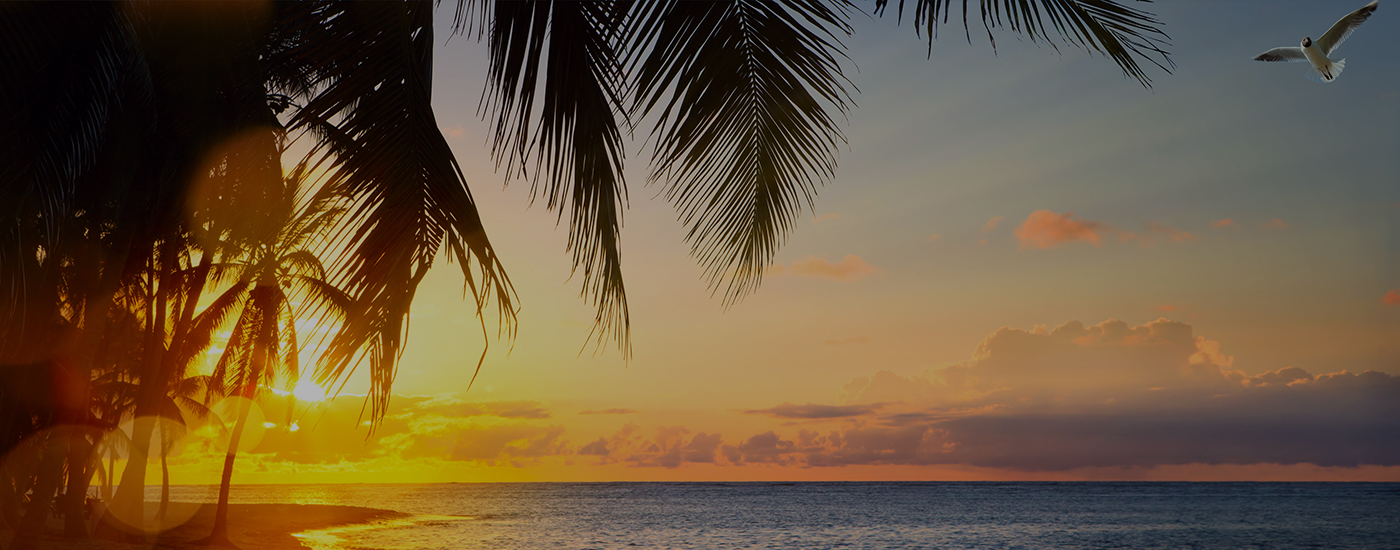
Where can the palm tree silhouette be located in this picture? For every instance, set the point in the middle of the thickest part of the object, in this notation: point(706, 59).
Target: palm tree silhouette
point(271, 275)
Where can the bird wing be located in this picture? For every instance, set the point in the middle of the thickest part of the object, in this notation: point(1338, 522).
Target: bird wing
point(1285, 54)
point(1339, 32)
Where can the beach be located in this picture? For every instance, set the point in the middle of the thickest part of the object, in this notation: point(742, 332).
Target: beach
point(250, 526)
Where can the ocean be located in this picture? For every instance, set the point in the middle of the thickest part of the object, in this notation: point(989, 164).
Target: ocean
point(852, 515)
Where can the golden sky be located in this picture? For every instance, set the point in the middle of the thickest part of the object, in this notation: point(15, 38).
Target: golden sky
point(1027, 267)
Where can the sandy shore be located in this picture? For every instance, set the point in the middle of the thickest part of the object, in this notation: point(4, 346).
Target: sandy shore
point(251, 526)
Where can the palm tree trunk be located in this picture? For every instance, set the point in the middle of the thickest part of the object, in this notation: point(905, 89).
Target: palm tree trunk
point(164, 485)
point(111, 470)
point(130, 497)
point(50, 472)
point(95, 314)
point(9, 501)
point(219, 536)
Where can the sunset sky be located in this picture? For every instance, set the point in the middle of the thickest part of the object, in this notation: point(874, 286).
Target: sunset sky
point(1027, 267)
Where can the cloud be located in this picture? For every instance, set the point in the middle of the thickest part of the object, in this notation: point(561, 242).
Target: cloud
point(1045, 229)
point(850, 269)
point(1107, 395)
point(816, 412)
point(596, 448)
point(827, 217)
point(608, 411)
point(1166, 307)
point(1391, 298)
point(669, 448)
point(934, 237)
point(454, 132)
point(1155, 230)
point(1274, 224)
point(1222, 224)
point(766, 447)
point(443, 427)
point(991, 224)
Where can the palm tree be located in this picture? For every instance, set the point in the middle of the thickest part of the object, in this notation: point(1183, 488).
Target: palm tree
point(189, 395)
point(745, 94)
point(268, 278)
point(114, 398)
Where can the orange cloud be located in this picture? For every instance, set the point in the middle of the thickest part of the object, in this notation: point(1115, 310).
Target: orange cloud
point(1391, 298)
point(608, 411)
point(1166, 307)
point(455, 131)
point(934, 237)
point(850, 269)
point(1154, 230)
point(1222, 224)
point(1045, 229)
point(1172, 234)
point(991, 224)
point(827, 217)
point(1274, 224)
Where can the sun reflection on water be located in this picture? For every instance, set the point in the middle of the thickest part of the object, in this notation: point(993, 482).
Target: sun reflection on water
point(333, 538)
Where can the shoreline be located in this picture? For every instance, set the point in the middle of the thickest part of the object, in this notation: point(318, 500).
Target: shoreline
point(250, 526)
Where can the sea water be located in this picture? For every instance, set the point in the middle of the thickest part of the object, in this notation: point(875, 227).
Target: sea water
point(855, 515)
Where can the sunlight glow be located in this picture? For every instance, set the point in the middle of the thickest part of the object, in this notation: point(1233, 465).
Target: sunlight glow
point(308, 390)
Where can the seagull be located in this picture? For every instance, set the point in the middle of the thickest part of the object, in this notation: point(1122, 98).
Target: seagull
point(1323, 69)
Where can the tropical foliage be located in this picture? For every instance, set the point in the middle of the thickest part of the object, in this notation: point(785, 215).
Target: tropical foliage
point(143, 203)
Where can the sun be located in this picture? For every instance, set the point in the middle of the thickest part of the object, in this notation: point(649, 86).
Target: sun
point(309, 390)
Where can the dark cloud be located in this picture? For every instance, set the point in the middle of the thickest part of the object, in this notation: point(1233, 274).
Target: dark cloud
point(1292, 425)
point(669, 449)
point(596, 448)
point(817, 412)
point(1339, 419)
point(702, 448)
point(1108, 395)
point(767, 448)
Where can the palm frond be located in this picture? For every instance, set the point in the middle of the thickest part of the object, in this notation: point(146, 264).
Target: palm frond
point(323, 298)
point(372, 63)
point(577, 145)
point(291, 349)
point(471, 16)
point(1124, 34)
point(304, 263)
point(215, 315)
point(62, 67)
point(233, 371)
point(746, 136)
